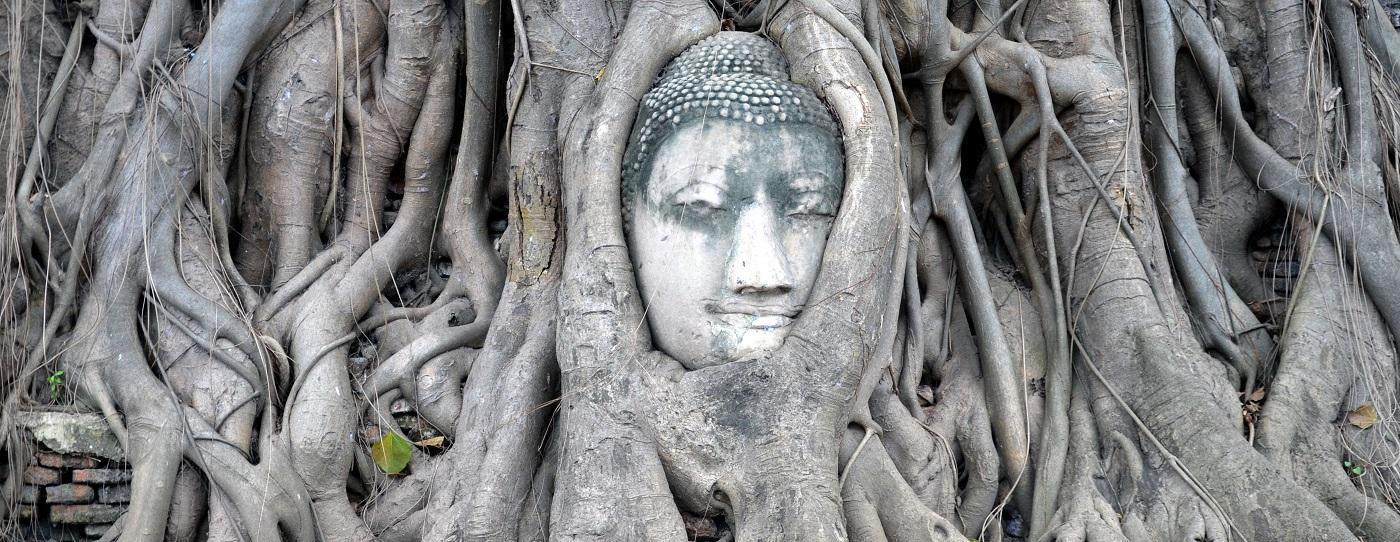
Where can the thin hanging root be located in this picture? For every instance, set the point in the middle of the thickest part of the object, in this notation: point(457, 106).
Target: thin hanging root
point(961, 54)
point(846, 471)
point(1045, 285)
point(29, 222)
point(1060, 374)
point(971, 275)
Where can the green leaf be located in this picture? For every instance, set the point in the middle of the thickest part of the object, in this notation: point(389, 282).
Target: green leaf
point(1357, 470)
point(391, 452)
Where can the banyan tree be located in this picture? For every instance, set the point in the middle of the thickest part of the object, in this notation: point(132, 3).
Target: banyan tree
point(753, 270)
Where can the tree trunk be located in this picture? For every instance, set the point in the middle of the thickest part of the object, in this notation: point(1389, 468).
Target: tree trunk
point(1100, 270)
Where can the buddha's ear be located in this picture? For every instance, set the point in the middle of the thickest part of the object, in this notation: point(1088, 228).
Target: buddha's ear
point(854, 305)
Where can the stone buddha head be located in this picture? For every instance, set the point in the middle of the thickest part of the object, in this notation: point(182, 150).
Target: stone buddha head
point(731, 180)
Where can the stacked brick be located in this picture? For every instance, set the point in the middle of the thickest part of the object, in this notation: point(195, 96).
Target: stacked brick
point(72, 497)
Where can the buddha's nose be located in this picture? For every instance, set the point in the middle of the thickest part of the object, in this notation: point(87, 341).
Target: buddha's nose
point(757, 262)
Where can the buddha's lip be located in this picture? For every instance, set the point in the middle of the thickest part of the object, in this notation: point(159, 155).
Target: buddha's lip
point(750, 309)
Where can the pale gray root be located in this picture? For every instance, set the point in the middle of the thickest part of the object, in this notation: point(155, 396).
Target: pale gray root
point(581, 432)
point(224, 396)
point(929, 447)
point(151, 185)
point(1084, 512)
point(506, 402)
point(1352, 217)
point(75, 206)
point(288, 145)
point(1145, 353)
point(878, 503)
point(598, 427)
point(639, 402)
point(1005, 401)
point(1336, 356)
point(320, 420)
point(941, 57)
point(1224, 322)
point(1229, 206)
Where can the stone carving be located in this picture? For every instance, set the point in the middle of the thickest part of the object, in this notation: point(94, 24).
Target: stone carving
point(731, 180)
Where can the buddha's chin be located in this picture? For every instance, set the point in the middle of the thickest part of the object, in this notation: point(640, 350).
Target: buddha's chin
point(742, 343)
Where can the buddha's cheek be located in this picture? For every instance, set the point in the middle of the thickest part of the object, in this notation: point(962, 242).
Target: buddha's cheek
point(679, 270)
point(804, 241)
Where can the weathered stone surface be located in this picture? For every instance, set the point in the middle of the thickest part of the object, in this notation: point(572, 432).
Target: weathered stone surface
point(725, 259)
point(66, 461)
point(31, 495)
point(71, 494)
point(114, 494)
point(73, 433)
point(25, 512)
point(101, 476)
point(40, 476)
point(85, 513)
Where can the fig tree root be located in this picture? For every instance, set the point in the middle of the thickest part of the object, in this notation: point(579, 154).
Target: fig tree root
point(1102, 270)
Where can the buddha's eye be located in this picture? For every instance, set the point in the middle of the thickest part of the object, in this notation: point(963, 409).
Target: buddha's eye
point(699, 199)
point(812, 205)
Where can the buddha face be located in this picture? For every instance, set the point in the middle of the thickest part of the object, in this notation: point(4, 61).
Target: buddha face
point(727, 229)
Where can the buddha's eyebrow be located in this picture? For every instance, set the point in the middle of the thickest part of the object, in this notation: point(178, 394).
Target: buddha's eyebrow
point(813, 181)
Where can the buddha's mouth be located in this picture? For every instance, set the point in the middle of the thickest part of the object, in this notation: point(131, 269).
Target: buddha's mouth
point(770, 321)
point(754, 316)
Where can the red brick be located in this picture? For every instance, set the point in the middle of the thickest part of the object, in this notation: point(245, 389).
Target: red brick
point(114, 494)
point(70, 494)
point(40, 476)
point(65, 461)
point(101, 476)
point(85, 513)
point(25, 512)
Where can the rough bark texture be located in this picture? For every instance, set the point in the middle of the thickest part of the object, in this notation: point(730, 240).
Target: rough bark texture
point(1102, 270)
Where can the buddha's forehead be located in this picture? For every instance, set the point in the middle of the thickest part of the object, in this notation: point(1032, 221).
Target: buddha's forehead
point(743, 158)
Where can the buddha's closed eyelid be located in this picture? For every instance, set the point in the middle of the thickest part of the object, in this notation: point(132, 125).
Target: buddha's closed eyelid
point(700, 197)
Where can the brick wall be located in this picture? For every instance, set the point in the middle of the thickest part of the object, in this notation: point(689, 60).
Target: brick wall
point(76, 484)
point(69, 496)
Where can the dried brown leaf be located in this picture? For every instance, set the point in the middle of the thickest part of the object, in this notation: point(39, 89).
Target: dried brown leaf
point(435, 441)
point(1363, 416)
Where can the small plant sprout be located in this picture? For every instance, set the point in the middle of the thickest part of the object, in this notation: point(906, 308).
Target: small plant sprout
point(55, 381)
